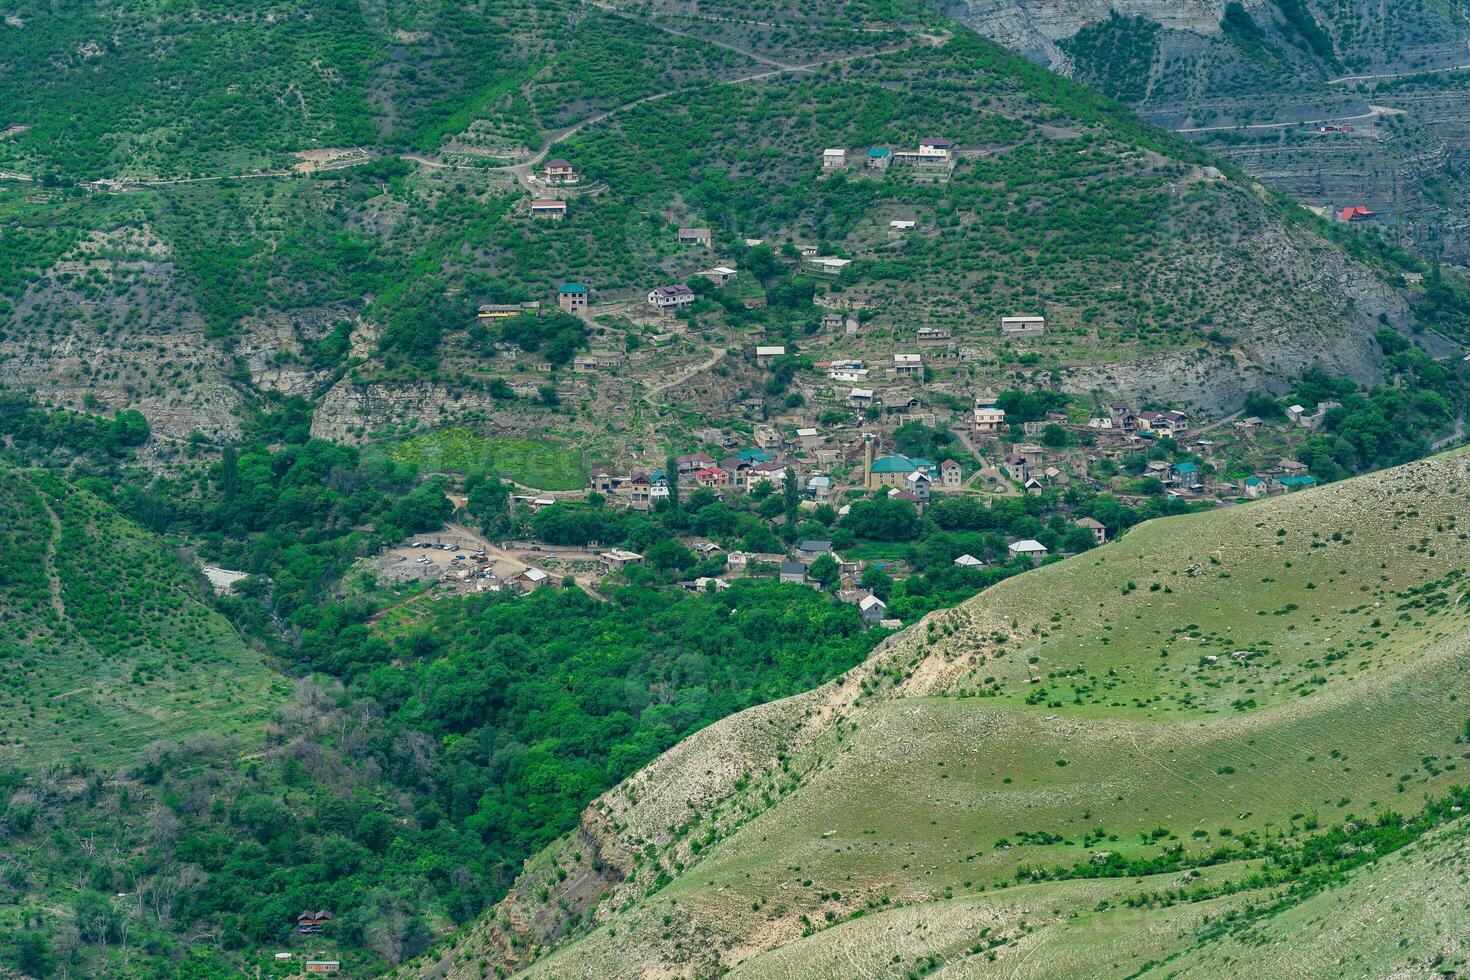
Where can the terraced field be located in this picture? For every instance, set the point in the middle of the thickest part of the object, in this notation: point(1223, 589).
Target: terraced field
point(1088, 769)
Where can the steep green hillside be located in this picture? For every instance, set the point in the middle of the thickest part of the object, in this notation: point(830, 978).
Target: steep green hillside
point(351, 278)
point(106, 641)
point(1246, 704)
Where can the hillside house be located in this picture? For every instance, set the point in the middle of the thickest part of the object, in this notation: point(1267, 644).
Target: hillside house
point(933, 151)
point(820, 488)
point(1185, 474)
point(767, 437)
point(617, 559)
point(1099, 532)
point(1033, 550)
point(573, 297)
point(929, 335)
point(692, 462)
point(311, 923)
point(1249, 426)
point(1298, 415)
point(988, 419)
point(1165, 423)
point(713, 477)
point(720, 275)
point(1291, 467)
point(968, 561)
point(493, 311)
point(1022, 327)
point(918, 483)
point(847, 323)
point(774, 473)
point(826, 265)
point(879, 157)
point(811, 550)
point(792, 573)
point(899, 227)
point(908, 365)
point(717, 436)
point(559, 171)
point(1015, 466)
point(532, 579)
point(893, 471)
point(834, 158)
point(323, 966)
point(1301, 482)
point(553, 210)
point(808, 439)
point(951, 476)
point(765, 355)
point(671, 297)
point(742, 560)
point(872, 610)
point(860, 397)
point(1255, 487)
point(1356, 212)
point(702, 237)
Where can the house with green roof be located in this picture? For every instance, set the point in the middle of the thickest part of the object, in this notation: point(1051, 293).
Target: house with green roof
point(573, 297)
point(893, 471)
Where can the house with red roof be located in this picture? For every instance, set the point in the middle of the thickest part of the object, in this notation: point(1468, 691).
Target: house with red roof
point(1357, 212)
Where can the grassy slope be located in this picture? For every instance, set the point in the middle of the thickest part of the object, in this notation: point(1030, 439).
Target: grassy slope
point(907, 797)
point(105, 640)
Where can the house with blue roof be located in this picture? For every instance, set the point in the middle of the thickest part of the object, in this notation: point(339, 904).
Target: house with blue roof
point(879, 157)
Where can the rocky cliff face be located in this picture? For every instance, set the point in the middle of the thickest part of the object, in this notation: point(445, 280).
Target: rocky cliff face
point(1242, 90)
point(1034, 27)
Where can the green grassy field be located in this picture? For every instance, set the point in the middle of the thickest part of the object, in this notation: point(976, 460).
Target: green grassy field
point(1300, 665)
point(542, 464)
point(106, 642)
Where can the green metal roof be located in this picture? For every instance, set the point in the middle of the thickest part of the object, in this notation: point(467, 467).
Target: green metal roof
point(573, 287)
point(893, 464)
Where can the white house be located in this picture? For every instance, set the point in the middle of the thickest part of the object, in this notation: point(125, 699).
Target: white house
point(827, 265)
point(765, 355)
point(1034, 550)
point(908, 364)
point(968, 561)
point(834, 158)
point(872, 610)
point(720, 275)
point(670, 297)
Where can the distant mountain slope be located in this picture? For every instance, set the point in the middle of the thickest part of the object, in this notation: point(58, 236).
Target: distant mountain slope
point(355, 287)
point(1204, 694)
point(105, 641)
point(1239, 77)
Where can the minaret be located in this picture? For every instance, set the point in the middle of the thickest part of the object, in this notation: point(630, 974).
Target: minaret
point(867, 461)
